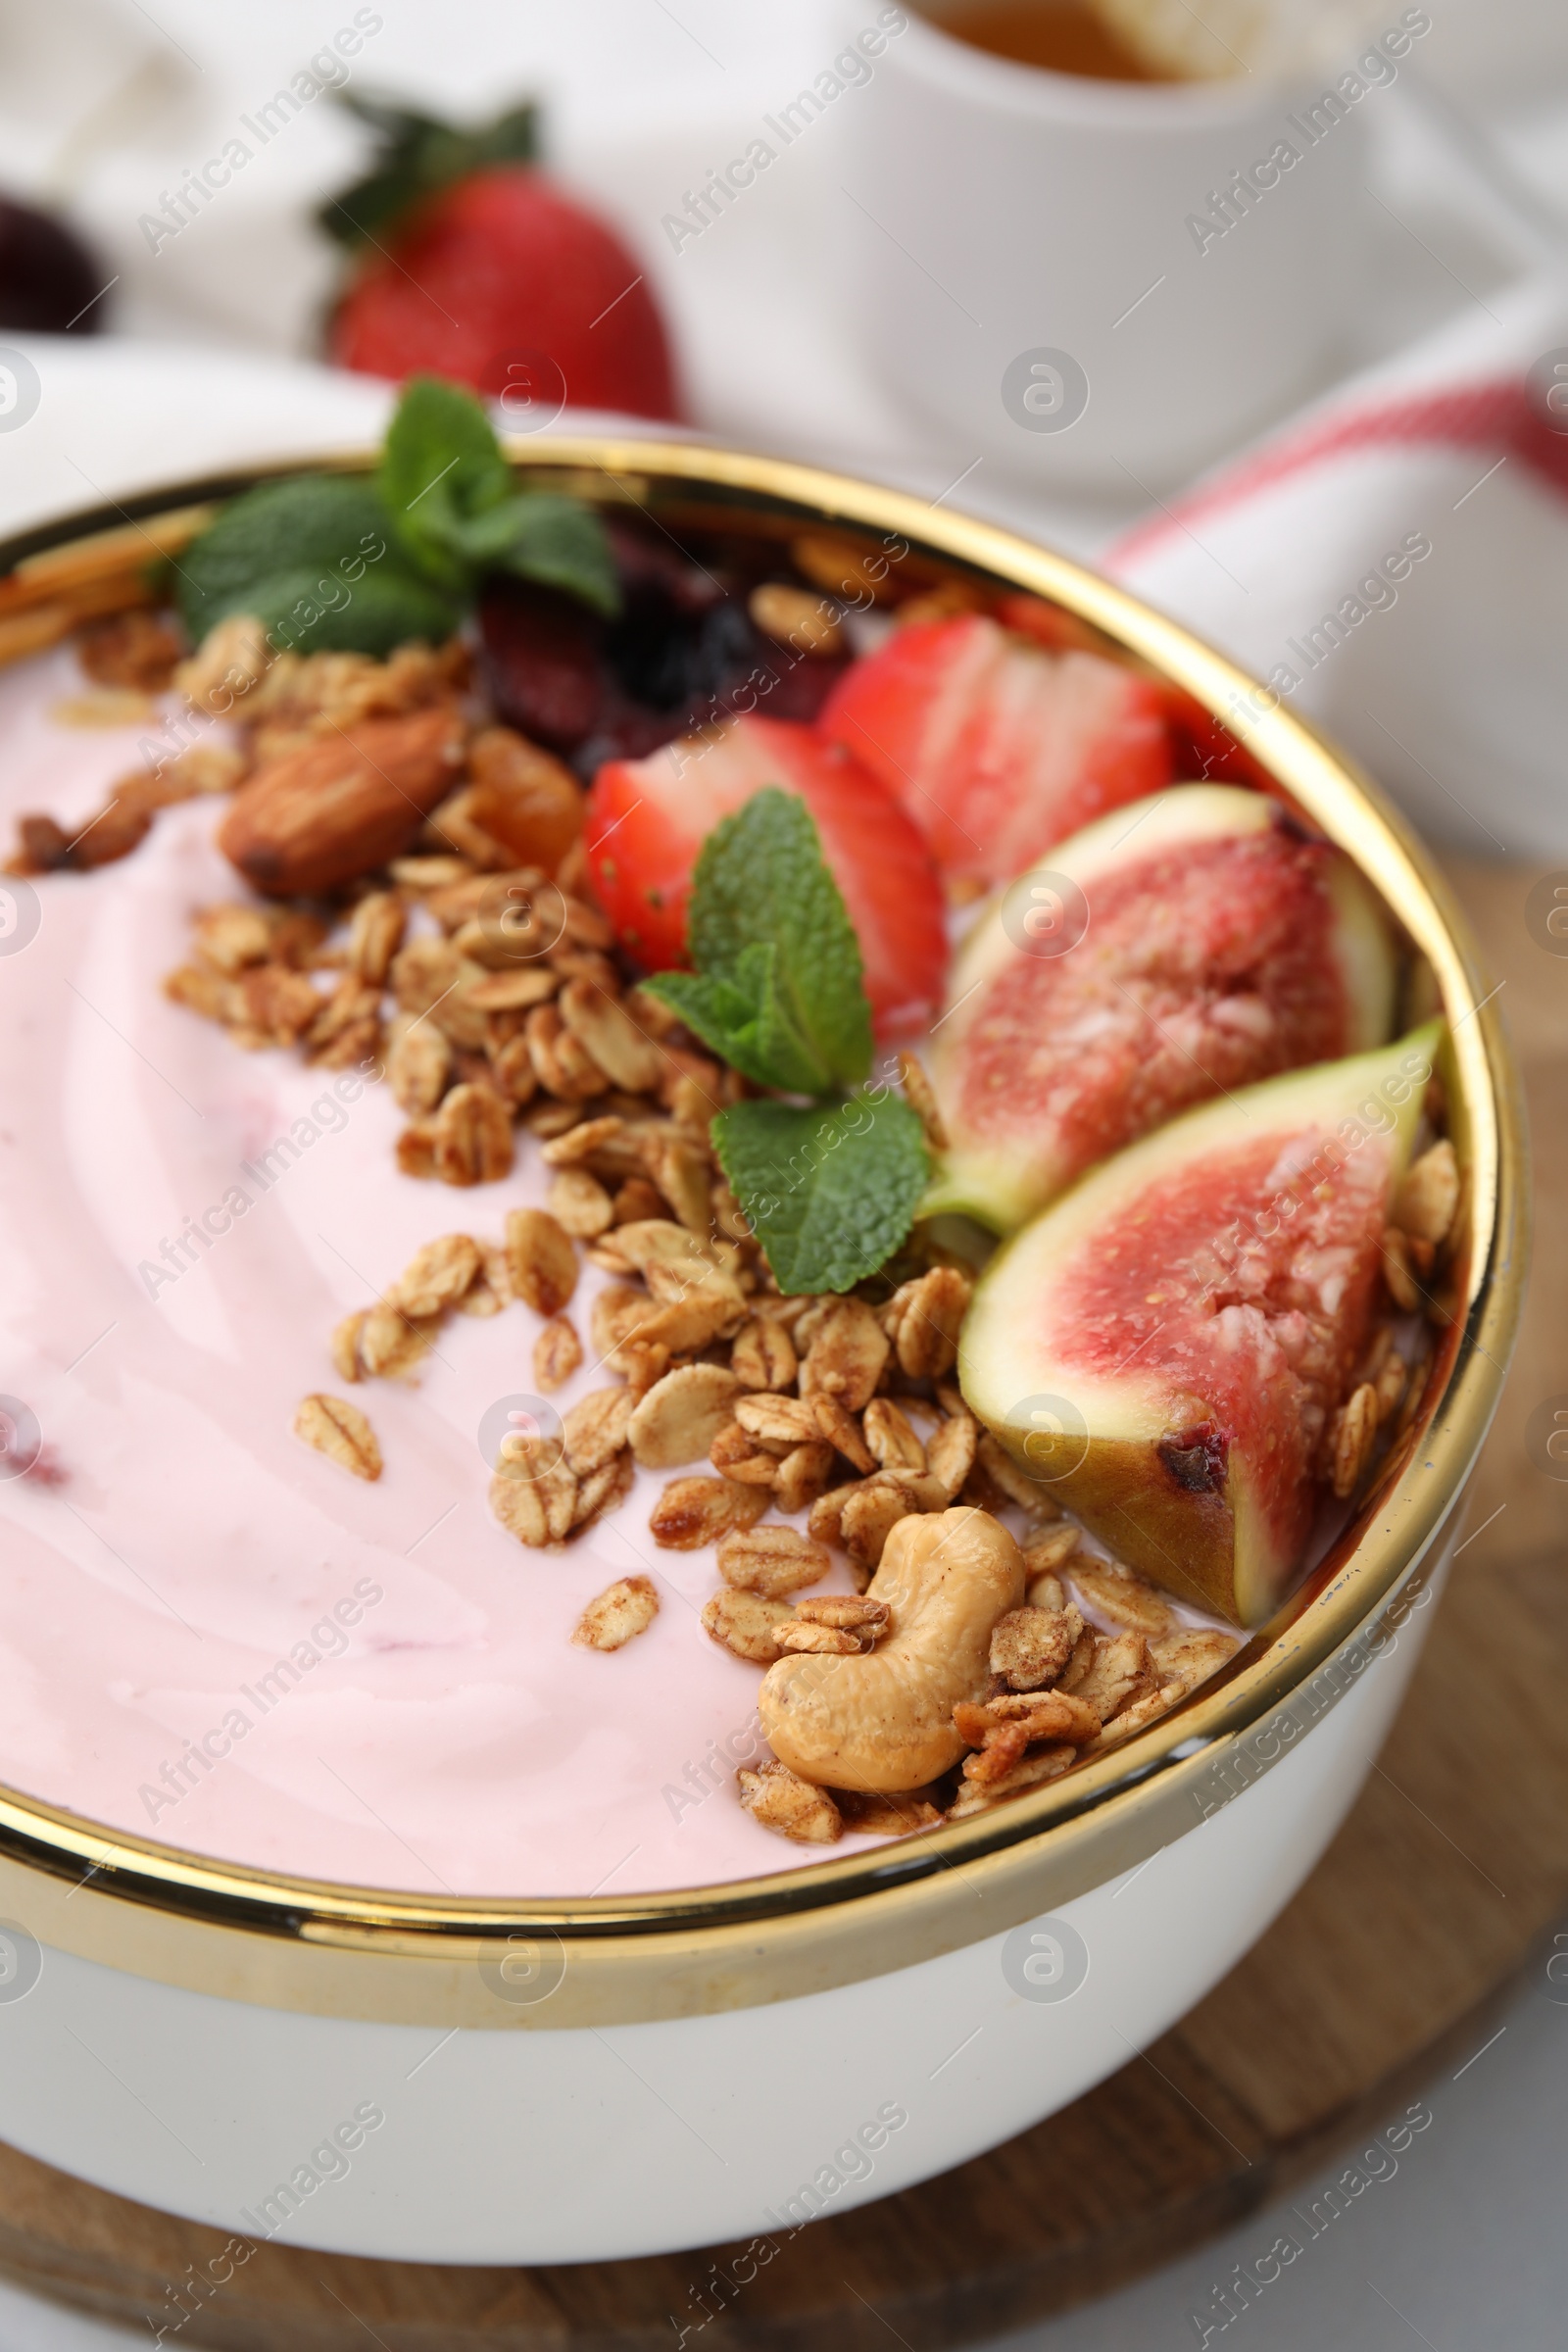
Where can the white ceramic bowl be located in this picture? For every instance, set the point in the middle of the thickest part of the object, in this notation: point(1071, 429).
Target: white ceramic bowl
point(506, 2080)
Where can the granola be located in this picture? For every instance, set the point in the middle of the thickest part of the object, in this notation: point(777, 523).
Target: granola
point(557, 1353)
point(619, 1614)
point(678, 1418)
point(792, 1807)
point(341, 1432)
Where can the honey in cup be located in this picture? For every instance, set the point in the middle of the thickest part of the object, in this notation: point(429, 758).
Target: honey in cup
point(1065, 36)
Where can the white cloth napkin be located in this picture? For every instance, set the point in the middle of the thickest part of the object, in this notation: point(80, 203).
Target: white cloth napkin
point(1396, 560)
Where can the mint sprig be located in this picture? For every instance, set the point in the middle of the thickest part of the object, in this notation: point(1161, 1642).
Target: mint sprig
point(829, 1189)
point(778, 988)
point(458, 513)
point(338, 563)
point(314, 560)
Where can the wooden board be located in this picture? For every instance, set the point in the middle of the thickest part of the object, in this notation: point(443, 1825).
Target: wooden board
point(1452, 1866)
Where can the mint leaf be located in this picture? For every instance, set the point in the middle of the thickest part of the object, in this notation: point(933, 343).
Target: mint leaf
point(457, 513)
point(340, 563)
point(280, 526)
point(746, 1021)
point(441, 468)
point(320, 612)
point(314, 558)
point(558, 542)
point(830, 1191)
point(766, 918)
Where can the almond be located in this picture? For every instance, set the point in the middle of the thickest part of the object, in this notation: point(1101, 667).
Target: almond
point(342, 804)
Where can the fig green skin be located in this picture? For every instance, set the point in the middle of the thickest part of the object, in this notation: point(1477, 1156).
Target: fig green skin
point(1095, 1441)
point(1002, 1183)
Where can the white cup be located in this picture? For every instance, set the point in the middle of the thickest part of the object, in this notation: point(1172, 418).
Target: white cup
point(1069, 277)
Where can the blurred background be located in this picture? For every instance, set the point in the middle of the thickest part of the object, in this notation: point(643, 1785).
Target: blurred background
point(104, 104)
point(820, 310)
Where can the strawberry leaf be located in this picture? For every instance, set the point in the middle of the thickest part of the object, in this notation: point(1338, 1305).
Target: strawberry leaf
point(415, 158)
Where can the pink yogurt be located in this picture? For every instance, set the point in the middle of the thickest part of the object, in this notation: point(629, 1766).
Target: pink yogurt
point(209, 1634)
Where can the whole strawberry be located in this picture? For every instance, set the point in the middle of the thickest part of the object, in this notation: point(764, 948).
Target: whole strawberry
point(469, 264)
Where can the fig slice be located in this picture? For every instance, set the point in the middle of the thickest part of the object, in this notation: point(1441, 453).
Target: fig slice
point(1164, 1348)
point(1180, 948)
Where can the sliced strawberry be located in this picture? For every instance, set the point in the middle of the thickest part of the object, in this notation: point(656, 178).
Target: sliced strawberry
point(996, 747)
point(648, 819)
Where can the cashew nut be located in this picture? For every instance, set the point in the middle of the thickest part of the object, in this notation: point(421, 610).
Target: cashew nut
point(885, 1721)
